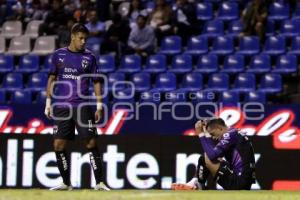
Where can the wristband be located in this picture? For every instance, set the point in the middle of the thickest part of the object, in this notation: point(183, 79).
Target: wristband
point(48, 102)
point(99, 105)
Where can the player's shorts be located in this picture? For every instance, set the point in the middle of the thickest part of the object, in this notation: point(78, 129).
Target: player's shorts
point(230, 181)
point(66, 119)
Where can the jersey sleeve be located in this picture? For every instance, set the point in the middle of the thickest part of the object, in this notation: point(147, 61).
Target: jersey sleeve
point(53, 64)
point(213, 152)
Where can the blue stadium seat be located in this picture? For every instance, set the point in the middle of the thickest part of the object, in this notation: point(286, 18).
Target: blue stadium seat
point(197, 45)
point(156, 64)
point(204, 11)
point(141, 81)
point(192, 82)
point(235, 28)
point(47, 64)
point(222, 45)
point(175, 96)
point(244, 82)
point(202, 96)
point(207, 64)
point(171, 45)
point(270, 28)
point(2, 97)
point(13, 81)
point(286, 64)
point(29, 64)
point(106, 63)
point(130, 64)
point(290, 28)
point(234, 64)
point(165, 82)
point(275, 45)
point(150, 97)
point(255, 96)
point(124, 96)
point(41, 97)
point(21, 97)
point(260, 64)
point(38, 82)
point(213, 28)
point(271, 83)
point(295, 46)
point(218, 82)
point(6, 63)
point(248, 45)
point(116, 77)
point(93, 44)
point(181, 64)
point(228, 11)
point(229, 97)
point(150, 5)
point(279, 11)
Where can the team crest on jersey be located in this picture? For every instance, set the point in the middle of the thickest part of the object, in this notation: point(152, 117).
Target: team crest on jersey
point(84, 64)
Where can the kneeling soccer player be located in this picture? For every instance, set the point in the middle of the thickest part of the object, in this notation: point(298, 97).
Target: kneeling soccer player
point(236, 171)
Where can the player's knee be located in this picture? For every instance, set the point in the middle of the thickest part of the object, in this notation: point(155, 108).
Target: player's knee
point(59, 146)
point(90, 144)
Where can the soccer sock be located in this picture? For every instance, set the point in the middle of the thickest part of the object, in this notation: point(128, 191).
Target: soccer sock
point(96, 163)
point(63, 166)
point(202, 171)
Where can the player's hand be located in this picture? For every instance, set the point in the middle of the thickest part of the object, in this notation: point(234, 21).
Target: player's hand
point(98, 115)
point(199, 126)
point(48, 112)
point(48, 108)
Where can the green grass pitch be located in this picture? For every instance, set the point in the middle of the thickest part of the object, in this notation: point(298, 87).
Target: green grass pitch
point(41, 194)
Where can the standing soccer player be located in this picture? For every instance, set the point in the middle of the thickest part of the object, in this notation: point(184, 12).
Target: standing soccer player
point(236, 171)
point(68, 84)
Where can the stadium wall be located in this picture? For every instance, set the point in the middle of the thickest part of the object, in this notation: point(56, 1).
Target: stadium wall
point(146, 153)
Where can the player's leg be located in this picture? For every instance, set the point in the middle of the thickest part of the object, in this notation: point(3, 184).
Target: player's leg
point(213, 167)
point(86, 129)
point(202, 171)
point(225, 177)
point(63, 131)
point(199, 180)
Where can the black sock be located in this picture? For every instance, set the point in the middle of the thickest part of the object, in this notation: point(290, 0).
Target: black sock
point(202, 171)
point(63, 166)
point(96, 163)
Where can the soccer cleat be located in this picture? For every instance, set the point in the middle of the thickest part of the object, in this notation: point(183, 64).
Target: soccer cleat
point(191, 185)
point(101, 186)
point(62, 187)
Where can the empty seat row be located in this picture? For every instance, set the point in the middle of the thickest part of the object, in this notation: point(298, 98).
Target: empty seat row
point(206, 64)
point(11, 29)
point(20, 45)
point(21, 97)
point(224, 45)
point(165, 82)
point(15, 81)
point(217, 82)
point(29, 63)
point(227, 97)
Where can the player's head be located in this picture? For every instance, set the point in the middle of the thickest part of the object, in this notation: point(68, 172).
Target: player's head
point(79, 34)
point(216, 127)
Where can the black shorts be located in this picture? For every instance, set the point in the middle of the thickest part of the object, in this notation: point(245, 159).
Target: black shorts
point(230, 181)
point(66, 119)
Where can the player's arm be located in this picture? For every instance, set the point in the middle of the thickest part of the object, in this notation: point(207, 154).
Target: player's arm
point(97, 88)
point(49, 90)
point(216, 151)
